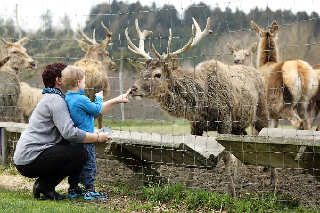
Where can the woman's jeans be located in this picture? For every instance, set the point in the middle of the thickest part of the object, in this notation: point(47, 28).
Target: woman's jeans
point(55, 164)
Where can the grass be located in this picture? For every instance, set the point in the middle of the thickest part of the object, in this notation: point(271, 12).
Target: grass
point(172, 127)
point(172, 198)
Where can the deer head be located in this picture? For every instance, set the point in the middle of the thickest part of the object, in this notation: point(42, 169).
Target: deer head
point(97, 51)
point(268, 43)
point(156, 75)
point(19, 57)
point(243, 56)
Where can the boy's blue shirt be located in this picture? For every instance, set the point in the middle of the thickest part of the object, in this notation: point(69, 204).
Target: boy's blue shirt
point(82, 110)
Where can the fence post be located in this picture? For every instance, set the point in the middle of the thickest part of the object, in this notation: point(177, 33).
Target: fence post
point(4, 152)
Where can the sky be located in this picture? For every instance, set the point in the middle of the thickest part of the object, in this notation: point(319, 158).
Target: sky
point(30, 11)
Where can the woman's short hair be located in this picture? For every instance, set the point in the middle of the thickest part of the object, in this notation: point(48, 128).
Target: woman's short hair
point(51, 72)
point(71, 75)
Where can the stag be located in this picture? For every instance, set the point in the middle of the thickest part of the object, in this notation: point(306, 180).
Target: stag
point(96, 63)
point(213, 96)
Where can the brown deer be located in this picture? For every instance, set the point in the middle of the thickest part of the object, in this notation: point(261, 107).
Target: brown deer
point(243, 57)
point(291, 84)
point(202, 95)
point(96, 63)
point(19, 57)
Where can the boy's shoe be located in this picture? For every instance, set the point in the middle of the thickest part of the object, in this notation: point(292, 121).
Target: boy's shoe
point(72, 193)
point(93, 194)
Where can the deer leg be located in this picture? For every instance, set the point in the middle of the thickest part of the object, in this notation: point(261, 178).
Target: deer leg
point(275, 123)
point(100, 124)
point(190, 178)
point(273, 176)
point(290, 115)
point(231, 188)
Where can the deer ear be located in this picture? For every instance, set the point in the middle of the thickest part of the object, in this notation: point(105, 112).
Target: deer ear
point(173, 63)
point(274, 28)
point(256, 28)
point(103, 45)
point(83, 45)
point(4, 60)
point(254, 47)
point(4, 41)
point(230, 47)
point(21, 41)
point(138, 65)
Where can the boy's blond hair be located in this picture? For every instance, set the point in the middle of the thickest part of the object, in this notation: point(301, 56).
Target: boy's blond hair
point(71, 75)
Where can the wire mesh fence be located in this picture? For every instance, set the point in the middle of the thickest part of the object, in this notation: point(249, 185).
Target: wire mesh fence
point(232, 68)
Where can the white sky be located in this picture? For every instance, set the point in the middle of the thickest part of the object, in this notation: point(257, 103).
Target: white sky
point(29, 11)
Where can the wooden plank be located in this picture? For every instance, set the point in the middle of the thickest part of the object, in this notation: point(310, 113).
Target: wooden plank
point(135, 148)
point(279, 148)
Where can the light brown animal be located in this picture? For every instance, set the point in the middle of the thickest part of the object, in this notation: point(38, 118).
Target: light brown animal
point(96, 64)
point(316, 105)
point(27, 102)
point(213, 96)
point(19, 57)
point(291, 84)
point(243, 57)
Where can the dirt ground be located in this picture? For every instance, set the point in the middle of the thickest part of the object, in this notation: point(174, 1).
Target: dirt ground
point(297, 183)
point(251, 179)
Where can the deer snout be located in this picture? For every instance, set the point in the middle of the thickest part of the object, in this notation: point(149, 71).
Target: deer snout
point(236, 61)
point(113, 66)
point(33, 65)
point(133, 89)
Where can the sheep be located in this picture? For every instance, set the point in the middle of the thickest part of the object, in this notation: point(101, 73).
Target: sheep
point(291, 84)
point(243, 56)
point(27, 102)
point(213, 96)
point(96, 63)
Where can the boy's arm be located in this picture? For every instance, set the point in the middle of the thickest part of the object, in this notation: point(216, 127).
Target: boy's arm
point(107, 106)
point(93, 108)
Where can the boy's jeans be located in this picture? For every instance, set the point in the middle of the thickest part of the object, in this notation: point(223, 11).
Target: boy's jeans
point(89, 169)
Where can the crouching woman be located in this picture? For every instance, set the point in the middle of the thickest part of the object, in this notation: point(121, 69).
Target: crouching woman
point(43, 150)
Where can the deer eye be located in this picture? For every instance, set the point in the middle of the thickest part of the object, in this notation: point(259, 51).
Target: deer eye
point(158, 75)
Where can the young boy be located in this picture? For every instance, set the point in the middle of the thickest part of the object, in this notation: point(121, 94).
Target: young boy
point(82, 112)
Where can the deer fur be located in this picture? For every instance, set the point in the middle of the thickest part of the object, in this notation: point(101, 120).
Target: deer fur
point(243, 57)
point(28, 99)
point(316, 105)
point(96, 63)
point(212, 97)
point(291, 84)
point(19, 57)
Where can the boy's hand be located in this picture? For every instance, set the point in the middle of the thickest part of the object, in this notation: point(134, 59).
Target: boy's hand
point(104, 137)
point(123, 98)
point(100, 94)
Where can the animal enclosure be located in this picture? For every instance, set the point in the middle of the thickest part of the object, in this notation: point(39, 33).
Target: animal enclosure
point(224, 97)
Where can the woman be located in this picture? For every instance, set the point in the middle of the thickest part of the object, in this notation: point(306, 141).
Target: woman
point(43, 150)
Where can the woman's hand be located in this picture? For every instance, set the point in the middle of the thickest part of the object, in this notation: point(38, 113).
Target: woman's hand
point(103, 137)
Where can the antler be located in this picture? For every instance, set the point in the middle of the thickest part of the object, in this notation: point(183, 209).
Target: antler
point(169, 55)
point(200, 35)
point(108, 34)
point(192, 42)
point(142, 36)
point(93, 41)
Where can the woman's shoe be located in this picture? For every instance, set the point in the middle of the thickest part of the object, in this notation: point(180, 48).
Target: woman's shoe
point(49, 194)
